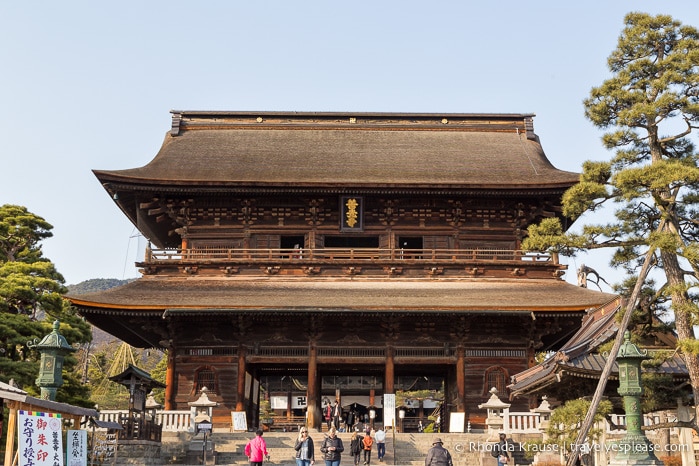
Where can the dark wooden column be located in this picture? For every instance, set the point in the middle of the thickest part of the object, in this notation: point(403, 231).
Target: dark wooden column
point(170, 380)
point(389, 371)
point(240, 392)
point(460, 380)
point(312, 401)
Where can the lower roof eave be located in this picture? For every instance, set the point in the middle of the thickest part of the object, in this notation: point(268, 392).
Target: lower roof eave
point(195, 311)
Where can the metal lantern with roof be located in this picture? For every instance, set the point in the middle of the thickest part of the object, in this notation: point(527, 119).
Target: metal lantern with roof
point(53, 348)
point(634, 447)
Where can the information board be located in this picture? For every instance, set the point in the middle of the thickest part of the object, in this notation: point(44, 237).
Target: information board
point(240, 422)
point(456, 422)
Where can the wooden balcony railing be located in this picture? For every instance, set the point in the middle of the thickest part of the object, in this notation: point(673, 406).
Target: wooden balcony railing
point(230, 255)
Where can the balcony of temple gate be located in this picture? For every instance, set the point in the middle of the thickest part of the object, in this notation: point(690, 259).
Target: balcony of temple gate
point(341, 261)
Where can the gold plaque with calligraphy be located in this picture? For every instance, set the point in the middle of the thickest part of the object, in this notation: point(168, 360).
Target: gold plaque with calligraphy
point(351, 213)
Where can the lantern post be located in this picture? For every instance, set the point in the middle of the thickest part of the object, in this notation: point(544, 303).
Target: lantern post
point(634, 448)
point(53, 348)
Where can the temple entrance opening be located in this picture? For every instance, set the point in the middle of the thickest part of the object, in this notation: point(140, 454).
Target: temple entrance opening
point(359, 393)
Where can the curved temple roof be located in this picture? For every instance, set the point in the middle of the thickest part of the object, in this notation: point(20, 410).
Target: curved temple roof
point(354, 150)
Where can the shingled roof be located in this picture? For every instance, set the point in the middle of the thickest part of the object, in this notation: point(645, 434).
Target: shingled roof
point(154, 297)
point(257, 293)
point(579, 356)
point(357, 150)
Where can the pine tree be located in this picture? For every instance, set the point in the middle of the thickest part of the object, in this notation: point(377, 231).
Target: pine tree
point(650, 108)
point(31, 298)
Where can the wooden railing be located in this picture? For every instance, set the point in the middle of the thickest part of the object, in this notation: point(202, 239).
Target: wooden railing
point(220, 254)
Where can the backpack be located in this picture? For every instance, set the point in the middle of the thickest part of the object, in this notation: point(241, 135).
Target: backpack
point(368, 442)
point(495, 452)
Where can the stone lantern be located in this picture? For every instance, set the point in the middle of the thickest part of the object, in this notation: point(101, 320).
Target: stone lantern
point(495, 420)
point(634, 448)
point(53, 348)
point(152, 407)
point(544, 410)
point(202, 412)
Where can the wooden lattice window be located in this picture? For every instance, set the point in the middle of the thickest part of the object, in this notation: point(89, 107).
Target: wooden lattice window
point(206, 377)
point(495, 376)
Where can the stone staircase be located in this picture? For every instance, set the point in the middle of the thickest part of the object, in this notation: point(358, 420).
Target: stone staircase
point(407, 449)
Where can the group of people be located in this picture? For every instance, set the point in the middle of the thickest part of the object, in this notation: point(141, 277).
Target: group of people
point(331, 448)
point(335, 417)
point(360, 449)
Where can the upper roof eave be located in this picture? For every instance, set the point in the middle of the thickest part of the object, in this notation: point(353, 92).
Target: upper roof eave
point(347, 113)
point(122, 181)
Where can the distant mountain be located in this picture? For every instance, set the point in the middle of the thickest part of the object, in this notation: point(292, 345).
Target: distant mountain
point(99, 337)
point(97, 284)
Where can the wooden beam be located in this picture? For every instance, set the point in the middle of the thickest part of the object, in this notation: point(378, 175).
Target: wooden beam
point(11, 432)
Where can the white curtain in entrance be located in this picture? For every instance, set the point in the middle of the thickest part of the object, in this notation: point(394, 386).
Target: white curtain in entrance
point(349, 400)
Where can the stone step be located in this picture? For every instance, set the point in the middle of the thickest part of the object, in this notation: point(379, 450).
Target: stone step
point(402, 449)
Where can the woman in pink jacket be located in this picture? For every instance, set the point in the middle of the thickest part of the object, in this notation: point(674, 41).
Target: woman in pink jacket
point(256, 449)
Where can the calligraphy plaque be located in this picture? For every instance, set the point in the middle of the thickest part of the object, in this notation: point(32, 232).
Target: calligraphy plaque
point(351, 213)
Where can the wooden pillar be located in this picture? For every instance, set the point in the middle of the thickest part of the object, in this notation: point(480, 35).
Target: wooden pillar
point(312, 399)
point(11, 433)
point(240, 392)
point(170, 380)
point(389, 371)
point(460, 380)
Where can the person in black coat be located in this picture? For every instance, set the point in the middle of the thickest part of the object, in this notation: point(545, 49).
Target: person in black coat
point(438, 455)
point(332, 448)
point(305, 454)
point(501, 451)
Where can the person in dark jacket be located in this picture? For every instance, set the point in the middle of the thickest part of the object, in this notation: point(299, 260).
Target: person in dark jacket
point(332, 448)
point(501, 451)
point(438, 455)
point(305, 455)
point(356, 446)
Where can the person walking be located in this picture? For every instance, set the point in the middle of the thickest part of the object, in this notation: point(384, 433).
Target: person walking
point(380, 438)
point(305, 455)
point(328, 414)
point(438, 455)
point(501, 451)
point(256, 449)
point(332, 448)
point(337, 414)
point(368, 444)
point(356, 446)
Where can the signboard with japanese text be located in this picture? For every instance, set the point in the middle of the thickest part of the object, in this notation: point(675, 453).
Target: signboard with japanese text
point(40, 439)
point(104, 448)
point(240, 422)
point(389, 409)
point(456, 422)
point(76, 448)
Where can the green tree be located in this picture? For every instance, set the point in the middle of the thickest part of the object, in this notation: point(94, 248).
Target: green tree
point(565, 422)
point(31, 298)
point(650, 110)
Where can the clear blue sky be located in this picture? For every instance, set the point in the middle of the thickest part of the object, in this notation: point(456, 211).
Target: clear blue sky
point(89, 85)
